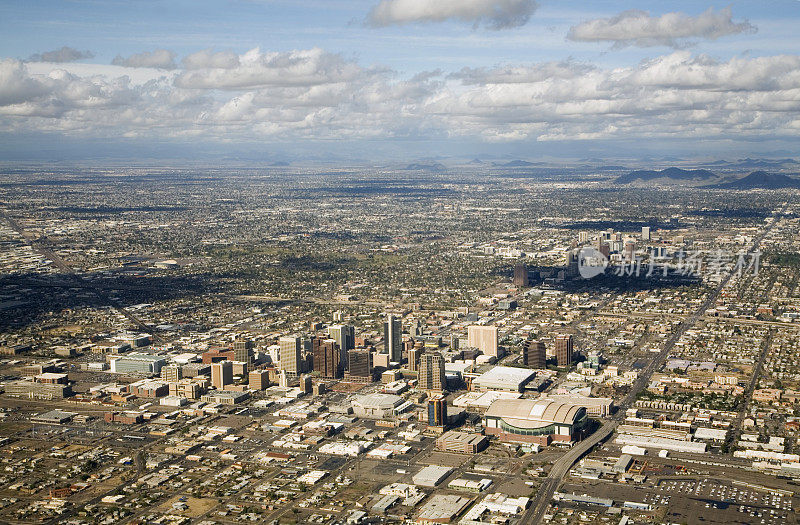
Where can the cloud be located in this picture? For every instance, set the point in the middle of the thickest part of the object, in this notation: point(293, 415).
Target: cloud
point(160, 58)
point(256, 69)
point(638, 28)
point(494, 14)
point(65, 54)
point(209, 59)
point(311, 94)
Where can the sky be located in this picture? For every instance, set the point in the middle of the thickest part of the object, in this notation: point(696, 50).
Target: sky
point(375, 80)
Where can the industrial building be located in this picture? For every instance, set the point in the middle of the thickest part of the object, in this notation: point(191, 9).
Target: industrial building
point(31, 390)
point(138, 363)
point(505, 378)
point(535, 421)
point(431, 476)
point(462, 442)
point(225, 397)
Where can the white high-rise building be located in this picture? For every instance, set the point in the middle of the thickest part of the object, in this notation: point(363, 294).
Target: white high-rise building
point(484, 338)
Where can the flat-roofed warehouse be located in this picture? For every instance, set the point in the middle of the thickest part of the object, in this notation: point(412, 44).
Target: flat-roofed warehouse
point(505, 378)
point(463, 442)
point(540, 421)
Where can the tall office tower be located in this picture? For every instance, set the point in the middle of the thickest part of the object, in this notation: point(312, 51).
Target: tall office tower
point(431, 373)
point(571, 261)
point(418, 328)
point(345, 337)
point(283, 380)
point(291, 355)
point(520, 275)
point(645, 233)
point(630, 249)
point(338, 315)
point(437, 411)
point(360, 365)
point(393, 337)
point(258, 379)
point(243, 351)
point(221, 374)
point(564, 350)
point(414, 355)
point(172, 373)
point(454, 342)
point(583, 237)
point(327, 358)
point(534, 354)
point(484, 338)
point(306, 385)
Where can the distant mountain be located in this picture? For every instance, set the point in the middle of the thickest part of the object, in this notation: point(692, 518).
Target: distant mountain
point(432, 166)
point(515, 164)
point(280, 163)
point(760, 180)
point(475, 161)
point(674, 174)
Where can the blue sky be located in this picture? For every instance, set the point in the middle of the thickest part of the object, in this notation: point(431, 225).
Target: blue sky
point(353, 77)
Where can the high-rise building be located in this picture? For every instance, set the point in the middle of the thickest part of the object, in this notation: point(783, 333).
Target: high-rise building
point(534, 354)
point(345, 337)
point(172, 373)
point(431, 372)
point(484, 338)
point(645, 233)
point(360, 365)
point(520, 275)
point(291, 355)
point(571, 262)
point(243, 352)
point(583, 237)
point(327, 358)
point(414, 355)
point(221, 374)
point(306, 385)
point(564, 350)
point(437, 411)
point(258, 379)
point(393, 337)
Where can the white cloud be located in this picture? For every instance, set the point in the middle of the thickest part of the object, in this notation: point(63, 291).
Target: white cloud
point(638, 28)
point(313, 94)
point(209, 59)
point(65, 54)
point(160, 58)
point(256, 69)
point(494, 14)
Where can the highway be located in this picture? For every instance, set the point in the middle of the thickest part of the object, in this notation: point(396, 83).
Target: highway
point(560, 468)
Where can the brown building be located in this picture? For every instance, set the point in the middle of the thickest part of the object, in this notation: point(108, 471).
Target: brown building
point(124, 418)
point(221, 374)
point(326, 358)
point(258, 379)
point(534, 354)
point(520, 275)
point(564, 350)
point(360, 365)
point(215, 355)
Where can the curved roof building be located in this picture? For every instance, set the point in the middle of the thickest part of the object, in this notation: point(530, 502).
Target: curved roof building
point(535, 420)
